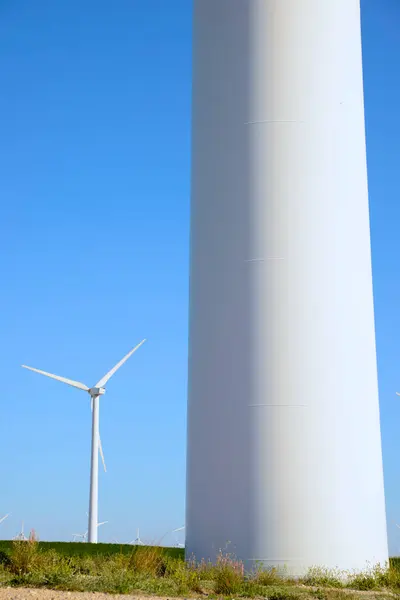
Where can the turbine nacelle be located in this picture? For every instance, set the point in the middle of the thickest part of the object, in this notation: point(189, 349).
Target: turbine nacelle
point(96, 391)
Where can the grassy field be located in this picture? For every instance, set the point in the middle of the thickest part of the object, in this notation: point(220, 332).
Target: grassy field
point(83, 549)
point(162, 571)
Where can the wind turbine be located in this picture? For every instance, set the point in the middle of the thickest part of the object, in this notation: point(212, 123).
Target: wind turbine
point(83, 536)
point(178, 544)
point(4, 518)
point(137, 541)
point(98, 524)
point(95, 392)
point(21, 535)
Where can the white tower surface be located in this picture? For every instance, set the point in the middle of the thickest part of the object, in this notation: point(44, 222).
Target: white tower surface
point(284, 444)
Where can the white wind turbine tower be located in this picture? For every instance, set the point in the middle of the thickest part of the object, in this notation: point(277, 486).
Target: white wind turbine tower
point(95, 392)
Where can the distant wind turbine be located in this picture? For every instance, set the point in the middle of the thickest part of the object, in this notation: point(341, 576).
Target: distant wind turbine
point(177, 543)
point(83, 536)
point(95, 392)
point(21, 535)
point(137, 541)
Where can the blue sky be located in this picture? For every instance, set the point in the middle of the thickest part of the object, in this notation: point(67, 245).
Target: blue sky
point(95, 171)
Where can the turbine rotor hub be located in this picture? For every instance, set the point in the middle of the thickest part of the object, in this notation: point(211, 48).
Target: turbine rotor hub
point(95, 391)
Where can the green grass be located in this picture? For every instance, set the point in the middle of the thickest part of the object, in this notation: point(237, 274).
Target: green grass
point(159, 571)
point(80, 549)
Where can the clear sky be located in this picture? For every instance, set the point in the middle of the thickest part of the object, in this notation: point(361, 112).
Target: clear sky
point(94, 189)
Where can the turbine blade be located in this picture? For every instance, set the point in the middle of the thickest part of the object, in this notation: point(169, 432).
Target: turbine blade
point(102, 523)
point(75, 384)
point(397, 393)
point(179, 529)
point(106, 377)
point(3, 518)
